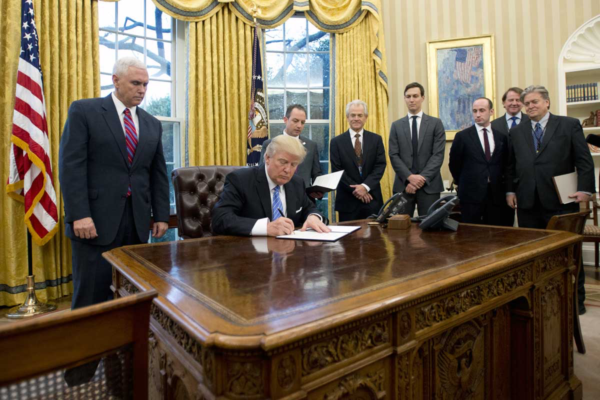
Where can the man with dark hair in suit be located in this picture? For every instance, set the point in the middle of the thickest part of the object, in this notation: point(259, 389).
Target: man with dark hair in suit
point(310, 168)
point(511, 100)
point(268, 200)
point(361, 155)
point(478, 159)
point(417, 145)
point(113, 177)
point(546, 147)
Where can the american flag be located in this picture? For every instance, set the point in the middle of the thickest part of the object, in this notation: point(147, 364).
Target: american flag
point(30, 179)
point(466, 59)
point(257, 116)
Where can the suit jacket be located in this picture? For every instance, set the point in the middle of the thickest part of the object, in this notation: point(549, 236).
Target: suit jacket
point(501, 125)
point(471, 171)
point(246, 199)
point(562, 150)
point(95, 174)
point(432, 145)
point(310, 168)
point(343, 157)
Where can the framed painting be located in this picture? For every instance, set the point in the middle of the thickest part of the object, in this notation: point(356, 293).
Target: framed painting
point(459, 71)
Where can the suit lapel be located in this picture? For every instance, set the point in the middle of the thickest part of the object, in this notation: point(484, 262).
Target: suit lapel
point(475, 138)
point(550, 130)
point(143, 136)
point(114, 123)
point(347, 143)
point(290, 200)
point(423, 130)
point(527, 133)
point(366, 145)
point(497, 143)
point(263, 192)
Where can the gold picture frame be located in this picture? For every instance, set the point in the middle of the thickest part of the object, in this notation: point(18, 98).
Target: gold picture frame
point(466, 67)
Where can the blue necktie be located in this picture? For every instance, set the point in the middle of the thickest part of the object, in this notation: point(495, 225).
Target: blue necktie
point(415, 146)
point(538, 133)
point(276, 204)
point(514, 120)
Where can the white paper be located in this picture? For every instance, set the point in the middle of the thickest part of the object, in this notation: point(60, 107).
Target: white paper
point(329, 181)
point(565, 185)
point(337, 232)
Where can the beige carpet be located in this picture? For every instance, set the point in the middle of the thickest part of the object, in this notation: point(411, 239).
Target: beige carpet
point(587, 366)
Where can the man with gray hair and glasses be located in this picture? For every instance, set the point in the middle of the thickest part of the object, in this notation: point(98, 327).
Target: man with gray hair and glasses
point(361, 155)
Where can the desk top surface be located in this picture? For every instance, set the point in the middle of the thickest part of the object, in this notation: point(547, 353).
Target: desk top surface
point(260, 286)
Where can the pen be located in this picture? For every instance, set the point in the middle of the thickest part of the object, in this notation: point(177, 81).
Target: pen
point(281, 212)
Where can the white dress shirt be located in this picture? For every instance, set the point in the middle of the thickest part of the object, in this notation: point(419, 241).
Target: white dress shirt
point(489, 135)
point(419, 116)
point(543, 122)
point(120, 108)
point(260, 227)
point(353, 139)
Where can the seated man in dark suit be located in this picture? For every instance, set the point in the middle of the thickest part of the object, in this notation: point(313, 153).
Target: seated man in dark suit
point(267, 200)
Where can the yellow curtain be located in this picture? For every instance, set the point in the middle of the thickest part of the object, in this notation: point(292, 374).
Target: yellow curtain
point(360, 74)
point(68, 32)
point(220, 64)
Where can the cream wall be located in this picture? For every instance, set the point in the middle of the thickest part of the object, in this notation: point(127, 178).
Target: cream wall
point(528, 36)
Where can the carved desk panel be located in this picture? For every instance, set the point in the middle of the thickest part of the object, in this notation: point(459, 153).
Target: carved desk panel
point(482, 313)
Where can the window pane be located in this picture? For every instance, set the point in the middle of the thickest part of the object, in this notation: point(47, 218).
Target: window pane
point(276, 130)
point(158, 24)
point(320, 134)
point(170, 168)
point(296, 97)
point(107, 51)
point(275, 69)
point(158, 99)
point(170, 236)
point(319, 69)
point(318, 40)
point(325, 167)
point(297, 70)
point(107, 18)
point(130, 46)
point(323, 207)
point(274, 39)
point(319, 104)
point(106, 85)
point(295, 34)
point(168, 141)
point(131, 17)
point(276, 107)
point(158, 59)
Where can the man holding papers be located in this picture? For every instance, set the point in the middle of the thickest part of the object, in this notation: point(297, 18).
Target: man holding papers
point(541, 149)
point(268, 200)
point(360, 154)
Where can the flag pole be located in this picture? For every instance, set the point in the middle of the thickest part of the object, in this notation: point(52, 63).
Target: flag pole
point(32, 306)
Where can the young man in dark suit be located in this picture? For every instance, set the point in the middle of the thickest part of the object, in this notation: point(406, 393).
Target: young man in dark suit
point(268, 200)
point(417, 145)
point(310, 168)
point(478, 159)
point(113, 177)
point(361, 155)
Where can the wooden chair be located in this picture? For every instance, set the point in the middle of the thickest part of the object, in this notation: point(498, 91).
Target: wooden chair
point(36, 353)
point(591, 233)
point(575, 223)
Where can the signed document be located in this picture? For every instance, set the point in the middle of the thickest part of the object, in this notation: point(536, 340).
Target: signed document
point(337, 232)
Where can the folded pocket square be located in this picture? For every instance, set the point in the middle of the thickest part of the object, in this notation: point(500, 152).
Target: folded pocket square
point(298, 210)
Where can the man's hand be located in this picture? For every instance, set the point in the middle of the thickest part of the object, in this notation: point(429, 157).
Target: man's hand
point(159, 229)
point(316, 195)
point(281, 226)
point(580, 197)
point(316, 224)
point(416, 180)
point(411, 189)
point(85, 229)
point(511, 200)
point(367, 198)
point(359, 191)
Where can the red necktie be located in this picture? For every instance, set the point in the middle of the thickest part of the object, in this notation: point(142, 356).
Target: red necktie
point(131, 139)
point(486, 145)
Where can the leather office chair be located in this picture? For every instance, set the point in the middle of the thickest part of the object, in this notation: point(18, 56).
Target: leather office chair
point(575, 223)
point(37, 352)
point(197, 190)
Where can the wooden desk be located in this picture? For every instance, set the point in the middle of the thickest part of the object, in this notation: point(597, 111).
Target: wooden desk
point(481, 313)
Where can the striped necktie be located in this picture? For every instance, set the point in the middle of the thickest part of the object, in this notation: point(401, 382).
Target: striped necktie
point(131, 139)
point(277, 206)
